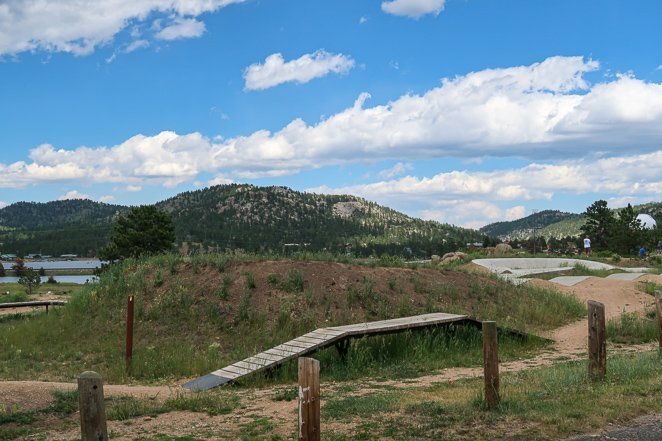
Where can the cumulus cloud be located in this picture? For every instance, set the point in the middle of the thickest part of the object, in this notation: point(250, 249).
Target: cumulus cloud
point(73, 194)
point(219, 180)
point(545, 111)
point(516, 212)
point(79, 26)
point(468, 198)
point(621, 175)
point(107, 199)
point(413, 8)
point(3, 204)
point(275, 70)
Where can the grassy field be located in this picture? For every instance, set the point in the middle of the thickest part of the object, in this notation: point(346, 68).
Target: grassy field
point(196, 315)
point(545, 403)
point(15, 292)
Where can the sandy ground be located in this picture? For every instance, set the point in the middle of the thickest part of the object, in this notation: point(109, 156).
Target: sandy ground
point(570, 343)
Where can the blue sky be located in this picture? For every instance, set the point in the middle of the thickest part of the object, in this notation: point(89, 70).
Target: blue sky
point(462, 111)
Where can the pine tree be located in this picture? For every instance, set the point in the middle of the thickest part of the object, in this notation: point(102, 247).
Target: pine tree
point(599, 226)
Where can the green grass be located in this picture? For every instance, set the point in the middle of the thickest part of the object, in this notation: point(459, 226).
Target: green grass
point(294, 281)
point(212, 403)
point(179, 334)
point(546, 403)
point(405, 355)
point(631, 328)
point(14, 297)
point(650, 287)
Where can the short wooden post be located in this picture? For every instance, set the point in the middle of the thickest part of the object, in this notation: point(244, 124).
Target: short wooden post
point(309, 399)
point(597, 347)
point(491, 364)
point(92, 410)
point(129, 332)
point(658, 307)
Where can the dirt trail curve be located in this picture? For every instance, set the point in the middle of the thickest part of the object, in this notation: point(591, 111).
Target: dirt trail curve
point(570, 343)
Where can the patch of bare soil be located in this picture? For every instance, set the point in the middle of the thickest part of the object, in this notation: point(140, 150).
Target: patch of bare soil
point(569, 344)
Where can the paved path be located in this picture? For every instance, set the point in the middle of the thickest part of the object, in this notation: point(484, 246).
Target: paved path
point(625, 276)
point(515, 269)
point(647, 428)
point(569, 280)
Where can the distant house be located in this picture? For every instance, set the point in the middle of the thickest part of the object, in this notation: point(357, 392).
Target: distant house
point(9, 257)
point(69, 256)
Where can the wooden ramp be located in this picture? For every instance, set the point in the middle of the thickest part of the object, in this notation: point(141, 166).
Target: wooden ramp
point(318, 339)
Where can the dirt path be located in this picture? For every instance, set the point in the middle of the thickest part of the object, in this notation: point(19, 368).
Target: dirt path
point(570, 344)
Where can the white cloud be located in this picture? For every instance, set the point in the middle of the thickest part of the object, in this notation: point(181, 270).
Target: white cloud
point(3, 204)
point(469, 198)
point(621, 175)
point(516, 212)
point(182, 28)
point(468, 214)
point(363, 20)
point(133, 188)
point(398, 169)
point(546, 111)
point(79, 26)
point(73, 194)
point(276, 70)
point(135, 45)
point(107, 199)
point(413, 8)
point(219, 180)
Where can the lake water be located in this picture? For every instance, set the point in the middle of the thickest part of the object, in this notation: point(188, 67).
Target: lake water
point(64, 279)
point(59, 264)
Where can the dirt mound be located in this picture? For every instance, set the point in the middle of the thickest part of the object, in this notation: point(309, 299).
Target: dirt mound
point(325, 292)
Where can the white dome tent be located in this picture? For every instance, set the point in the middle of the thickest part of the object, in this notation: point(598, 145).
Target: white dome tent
point(647, 221)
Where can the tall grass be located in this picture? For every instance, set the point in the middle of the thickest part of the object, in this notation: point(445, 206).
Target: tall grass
point(406, 355)
point(633, 328)
point(181, 334)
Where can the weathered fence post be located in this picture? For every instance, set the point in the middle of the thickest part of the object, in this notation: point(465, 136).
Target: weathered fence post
point(597, 347)
point(92, 410)
point(491, 364)
point(309, 399)
point(658, 307)
point(129, 332)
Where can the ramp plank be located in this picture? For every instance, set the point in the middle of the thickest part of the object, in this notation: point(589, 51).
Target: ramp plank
point(310, 342)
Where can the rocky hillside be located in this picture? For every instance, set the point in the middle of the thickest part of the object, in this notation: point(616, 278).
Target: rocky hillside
point(236, 217)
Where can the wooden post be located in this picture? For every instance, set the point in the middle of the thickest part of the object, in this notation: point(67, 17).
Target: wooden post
point(129, 332)
point(92, 410)
point(658, 307)
point(491, 364)
point(309, 399)
point(597, 347)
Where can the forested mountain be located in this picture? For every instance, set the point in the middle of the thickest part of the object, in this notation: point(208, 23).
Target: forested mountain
point(557, 224)
point(235, 217)
point(523, 228)
point(76, 226)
